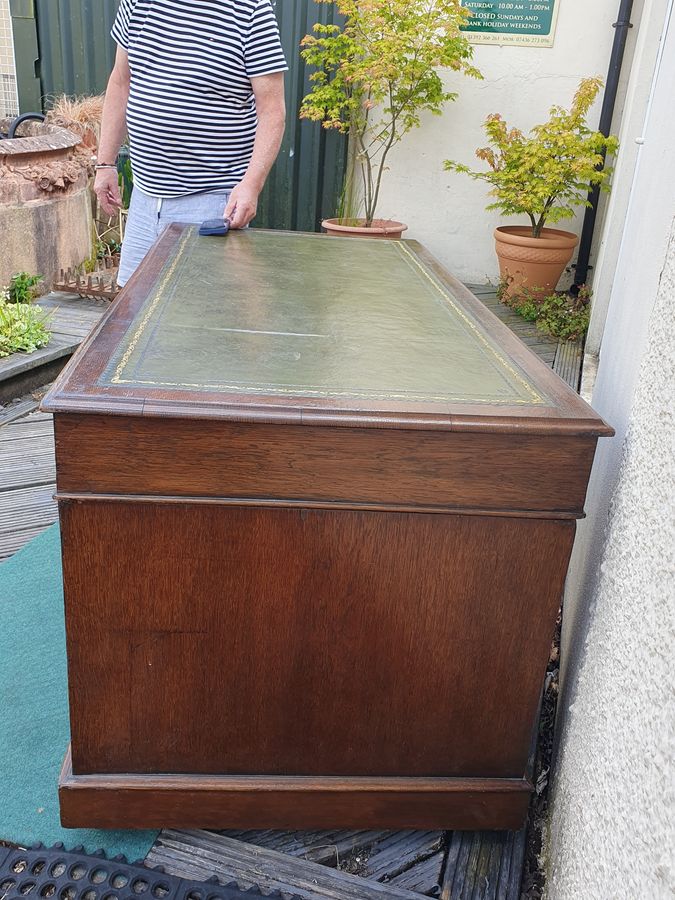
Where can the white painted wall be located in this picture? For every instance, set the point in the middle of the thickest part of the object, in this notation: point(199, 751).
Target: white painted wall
point(613, 812)
point(613, 804)
point(608, 240)
point(644, 229)
point(446, 211)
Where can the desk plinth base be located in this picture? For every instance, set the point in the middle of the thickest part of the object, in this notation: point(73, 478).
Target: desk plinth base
point(290, 803)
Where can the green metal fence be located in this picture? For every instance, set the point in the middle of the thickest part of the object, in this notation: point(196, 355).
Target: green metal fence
point(76, 51)
point(65, 47)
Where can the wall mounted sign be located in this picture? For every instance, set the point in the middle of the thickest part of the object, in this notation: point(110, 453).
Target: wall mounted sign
point(522, 22)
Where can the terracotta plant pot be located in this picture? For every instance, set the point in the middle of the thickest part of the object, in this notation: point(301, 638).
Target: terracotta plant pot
point(535, 264)
point(381, 228)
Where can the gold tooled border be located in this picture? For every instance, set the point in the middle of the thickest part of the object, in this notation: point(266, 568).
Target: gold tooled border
point(536, 398)
point(361, 395)
point(117, 377)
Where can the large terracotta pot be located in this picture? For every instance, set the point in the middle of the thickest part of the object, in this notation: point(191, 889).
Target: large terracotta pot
point(381, 228)
point(530, 263)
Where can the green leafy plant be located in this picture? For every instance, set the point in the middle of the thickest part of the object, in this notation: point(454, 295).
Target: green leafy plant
point(22, 326)
point(109, 246)
point(23, 288)
point(527, 307)
point(564, 316)
point(560, 314)
point(105, 245)
point(547, 174)
point(378, 73)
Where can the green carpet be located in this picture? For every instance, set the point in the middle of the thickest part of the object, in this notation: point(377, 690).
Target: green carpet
point(34, 705)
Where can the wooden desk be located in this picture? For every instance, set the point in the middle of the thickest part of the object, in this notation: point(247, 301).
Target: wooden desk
point(317, 506)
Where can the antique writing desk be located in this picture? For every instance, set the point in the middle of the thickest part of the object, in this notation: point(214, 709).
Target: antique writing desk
point(317, 506)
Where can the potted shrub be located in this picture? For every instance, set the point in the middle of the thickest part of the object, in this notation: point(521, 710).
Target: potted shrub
point(545, 175)
point(376, 75)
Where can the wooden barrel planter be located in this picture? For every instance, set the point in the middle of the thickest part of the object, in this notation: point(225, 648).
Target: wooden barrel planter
point(45, 213)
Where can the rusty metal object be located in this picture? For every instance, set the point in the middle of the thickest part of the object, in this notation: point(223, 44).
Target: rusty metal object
point(97, 285)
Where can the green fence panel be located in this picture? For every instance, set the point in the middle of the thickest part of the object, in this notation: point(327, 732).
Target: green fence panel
point(307, 180)
point(76, 55)
point(76, 51)
point(26, 54)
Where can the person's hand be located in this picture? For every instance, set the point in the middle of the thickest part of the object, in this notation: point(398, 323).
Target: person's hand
point(107, 189)
point(242, 205)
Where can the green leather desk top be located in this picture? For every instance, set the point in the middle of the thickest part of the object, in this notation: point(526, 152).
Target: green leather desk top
point(310, 316)
point(303, 328)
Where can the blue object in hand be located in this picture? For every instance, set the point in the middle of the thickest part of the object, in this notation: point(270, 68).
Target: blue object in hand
point(214, 226)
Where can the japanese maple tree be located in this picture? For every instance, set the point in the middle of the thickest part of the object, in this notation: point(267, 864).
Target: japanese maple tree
point(548, 173)
point(376, 74)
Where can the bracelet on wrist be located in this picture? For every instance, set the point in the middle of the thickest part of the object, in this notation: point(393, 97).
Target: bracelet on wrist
point(105, 166)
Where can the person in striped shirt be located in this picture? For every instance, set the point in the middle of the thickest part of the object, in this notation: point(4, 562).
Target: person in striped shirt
point(198, 85)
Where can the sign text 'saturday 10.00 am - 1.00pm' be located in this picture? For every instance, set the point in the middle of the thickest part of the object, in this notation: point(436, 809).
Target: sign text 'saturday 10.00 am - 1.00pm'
point(523, 22)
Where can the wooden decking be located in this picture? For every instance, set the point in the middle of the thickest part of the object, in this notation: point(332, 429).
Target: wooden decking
point(338, 865)
point(352, 865)
point(564, 357)
point(27, 476)
point(26, 436)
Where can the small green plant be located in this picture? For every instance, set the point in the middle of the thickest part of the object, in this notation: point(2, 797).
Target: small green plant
point(23, 288)
point(526, 307)
point(105, 244)
point(23, 327)
point(378, 73)
point(560, 314)
point(547, 174)
point(564, 316)
point(107, 247)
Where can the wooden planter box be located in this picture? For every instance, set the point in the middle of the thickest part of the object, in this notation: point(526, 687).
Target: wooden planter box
point(317, 506)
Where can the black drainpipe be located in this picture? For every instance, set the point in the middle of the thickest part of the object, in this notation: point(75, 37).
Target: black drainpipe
point(621, 27)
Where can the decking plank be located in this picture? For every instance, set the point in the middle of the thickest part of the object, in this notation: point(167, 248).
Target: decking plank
point(33, 419)
point(326, 847)
point(14, 452)
point(28, 507)
point(13, 433)
point(483, 865)
point(35, 472)
point(399, 851)
point(27, 481)
point(202, 854)
point(14, 411)
point(74, 301)
point(568, 361)
point(12, 541)
point(424, 877)
point(25, 429)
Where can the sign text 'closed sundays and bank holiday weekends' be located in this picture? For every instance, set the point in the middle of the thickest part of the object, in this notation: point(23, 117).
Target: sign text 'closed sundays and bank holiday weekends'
point(528, 22)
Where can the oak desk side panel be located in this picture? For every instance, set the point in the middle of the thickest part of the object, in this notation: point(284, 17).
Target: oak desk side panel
point(146, 456)
point(229, 640)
